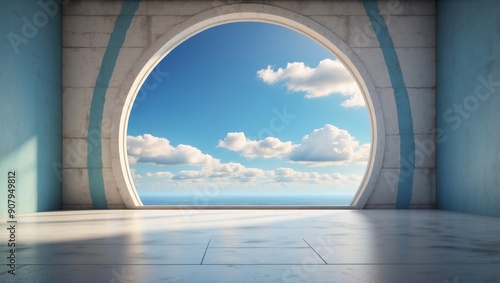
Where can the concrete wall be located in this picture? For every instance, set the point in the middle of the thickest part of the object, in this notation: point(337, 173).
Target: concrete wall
point(390, 43)
point(30, 104)
point(397, 51)
point(468, 106)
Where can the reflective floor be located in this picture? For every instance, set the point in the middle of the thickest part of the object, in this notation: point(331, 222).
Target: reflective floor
point(374, 246)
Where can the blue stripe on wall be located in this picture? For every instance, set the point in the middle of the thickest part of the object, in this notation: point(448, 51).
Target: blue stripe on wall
point(94, 147)
point(405, 122)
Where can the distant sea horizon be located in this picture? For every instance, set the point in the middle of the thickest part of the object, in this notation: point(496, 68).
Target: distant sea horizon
point(250, 199)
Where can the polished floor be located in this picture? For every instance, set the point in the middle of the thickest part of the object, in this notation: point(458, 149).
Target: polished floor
point(374, 246)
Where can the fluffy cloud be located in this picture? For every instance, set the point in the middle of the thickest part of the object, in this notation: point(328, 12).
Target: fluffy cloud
point(329, 145)
point(267, 148)
point(135, 176)
point(161, 174)
point(356, 100)
point(189, 174)
point(362, 154)
point(321, 147)
point(329, 77)
point(235, 175)
point(324, 146)
point(288, 175)
point(151, 149)
point(215, 170)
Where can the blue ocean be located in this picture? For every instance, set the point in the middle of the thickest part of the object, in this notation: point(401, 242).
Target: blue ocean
point(256, 199)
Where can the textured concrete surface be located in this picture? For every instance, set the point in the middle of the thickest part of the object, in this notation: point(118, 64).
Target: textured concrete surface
point(30, 105)
point(88, 25)
point(376, 246)
point(468, 158)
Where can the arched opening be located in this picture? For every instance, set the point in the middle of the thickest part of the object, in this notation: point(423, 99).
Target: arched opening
point(231, 14)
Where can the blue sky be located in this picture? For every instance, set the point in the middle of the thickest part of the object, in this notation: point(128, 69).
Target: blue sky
point(249, 107)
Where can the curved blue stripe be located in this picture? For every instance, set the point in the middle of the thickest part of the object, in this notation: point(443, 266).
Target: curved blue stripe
point(94, 147)
point(405, 122)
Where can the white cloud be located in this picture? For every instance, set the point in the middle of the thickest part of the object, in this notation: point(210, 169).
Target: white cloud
point(189, 174)
point(250, 174)
point(322, 147)
point(151, 149)
point(329, 145)
point(161, 174)
point(135, 176)
point(362, 154)
point(132, 160)
point(288, 175)
point(329, 77)
point(216, 170)
point(224, 170)
point(267, 148)
point(235, 175)
point(356, 100)
point(235, 171)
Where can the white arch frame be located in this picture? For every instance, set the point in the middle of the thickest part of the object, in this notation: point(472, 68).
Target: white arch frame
point(240, 13)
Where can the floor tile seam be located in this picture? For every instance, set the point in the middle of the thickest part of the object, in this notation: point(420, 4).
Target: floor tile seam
point(205, 253)
point(315, 252)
